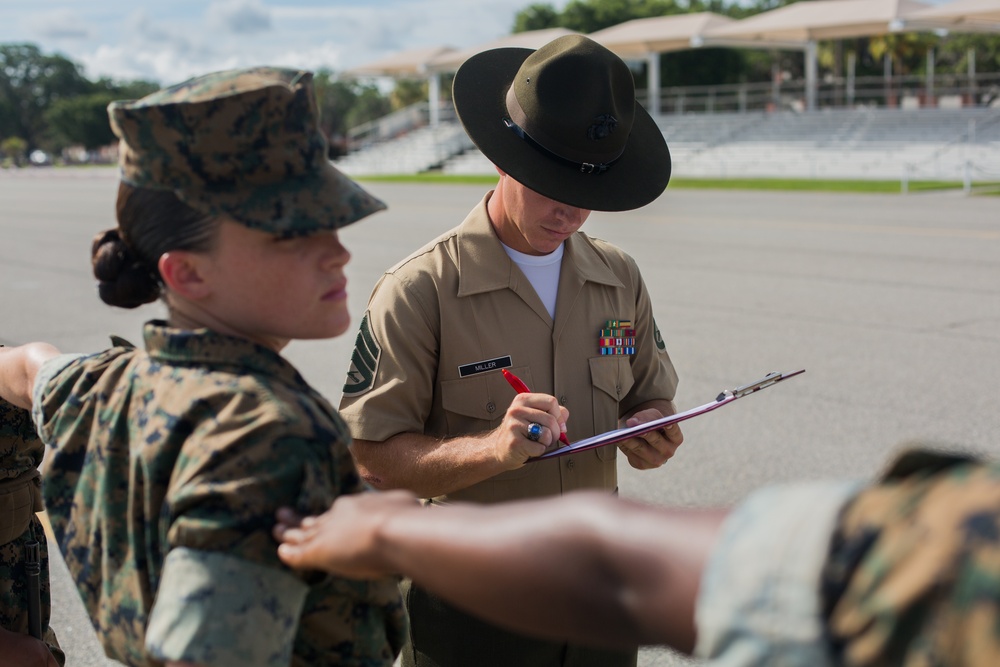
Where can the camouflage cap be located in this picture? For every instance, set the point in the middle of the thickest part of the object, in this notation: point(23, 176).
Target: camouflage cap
point(245, 143)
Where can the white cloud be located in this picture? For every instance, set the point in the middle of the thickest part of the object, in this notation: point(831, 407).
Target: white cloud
point(60, 24)
point(326, 55)
point(241, 17)
point(166, 66)
point(170, 41)
point(141, 25)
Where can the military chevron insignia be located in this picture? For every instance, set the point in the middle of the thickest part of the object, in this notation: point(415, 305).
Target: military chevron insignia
point(364, 361)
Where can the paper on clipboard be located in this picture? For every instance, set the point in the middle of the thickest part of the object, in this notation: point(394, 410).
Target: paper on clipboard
point(617, 435)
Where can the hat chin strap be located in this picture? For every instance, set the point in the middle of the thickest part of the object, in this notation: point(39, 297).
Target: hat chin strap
point(584, 167)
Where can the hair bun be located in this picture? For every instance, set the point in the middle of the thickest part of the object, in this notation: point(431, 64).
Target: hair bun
point(124, 280)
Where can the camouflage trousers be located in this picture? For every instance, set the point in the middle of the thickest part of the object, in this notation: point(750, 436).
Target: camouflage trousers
point(14, 587)
point(913, 576)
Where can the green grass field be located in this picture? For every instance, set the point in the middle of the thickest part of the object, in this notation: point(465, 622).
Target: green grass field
point(774, 184)
point(786, 184)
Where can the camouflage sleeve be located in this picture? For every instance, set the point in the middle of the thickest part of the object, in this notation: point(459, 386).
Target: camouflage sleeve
point(912, 577)
point(46, 381)
point(20, 448)
point(225, 489)
point(211, 608)
point(758, 603)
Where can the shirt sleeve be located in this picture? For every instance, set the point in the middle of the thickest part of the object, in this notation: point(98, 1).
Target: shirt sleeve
point(759, 601)
point(210, 609)
point(230, 479)
point(655, 377)
point(47, 381)
point(398, 396)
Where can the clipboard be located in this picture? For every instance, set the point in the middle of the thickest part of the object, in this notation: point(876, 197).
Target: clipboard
point(617, 435)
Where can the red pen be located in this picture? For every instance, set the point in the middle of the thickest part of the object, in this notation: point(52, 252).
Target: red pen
point(522, 388)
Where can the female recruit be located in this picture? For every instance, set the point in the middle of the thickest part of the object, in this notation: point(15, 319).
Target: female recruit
point(167, 463)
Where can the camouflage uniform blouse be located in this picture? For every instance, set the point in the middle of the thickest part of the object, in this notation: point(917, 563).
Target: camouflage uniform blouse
point(168, 466)
point(20, 453)
point(913, 576)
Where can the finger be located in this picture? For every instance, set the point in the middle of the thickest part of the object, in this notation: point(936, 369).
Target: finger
point(672, 433)
point(290, 554)
point(288, 516)
point(292, 536)
point(644, 455)
point(548, 431)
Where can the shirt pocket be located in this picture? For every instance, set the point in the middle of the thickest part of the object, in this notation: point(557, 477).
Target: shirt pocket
point(611, 379)
point(478, 404)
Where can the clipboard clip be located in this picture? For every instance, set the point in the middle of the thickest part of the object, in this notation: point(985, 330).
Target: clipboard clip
point(750, 388)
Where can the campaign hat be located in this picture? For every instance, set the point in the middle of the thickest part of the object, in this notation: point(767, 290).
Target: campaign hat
point(563, 121)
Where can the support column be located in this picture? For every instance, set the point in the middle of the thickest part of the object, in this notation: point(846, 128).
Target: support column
point(852, 63)
point(653, 84)
point(811, 75)
point(929, 95)
point(434, 98)
point(971, 57)
point(890, 100)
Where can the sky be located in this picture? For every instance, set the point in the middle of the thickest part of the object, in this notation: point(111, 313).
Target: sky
point(168, 41)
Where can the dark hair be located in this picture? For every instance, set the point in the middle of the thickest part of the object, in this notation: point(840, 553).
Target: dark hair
point(150, 223)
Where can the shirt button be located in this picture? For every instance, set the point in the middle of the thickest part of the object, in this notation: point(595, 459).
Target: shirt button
point(491, 407)
point(562, 400)
point(618, 389)
point(569, 464)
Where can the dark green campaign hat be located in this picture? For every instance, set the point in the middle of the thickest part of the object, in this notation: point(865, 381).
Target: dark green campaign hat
point(563, 121)
point(245, 143)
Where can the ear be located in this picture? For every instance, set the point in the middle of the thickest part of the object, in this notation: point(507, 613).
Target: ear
point(181, 273)
point(500, 171)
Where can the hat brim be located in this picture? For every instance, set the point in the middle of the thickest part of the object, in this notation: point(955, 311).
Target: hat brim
point(638, 177)
point(323, 200)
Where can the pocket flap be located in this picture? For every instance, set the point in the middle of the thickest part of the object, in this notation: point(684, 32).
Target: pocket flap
point(486, 396)
point(612, 374)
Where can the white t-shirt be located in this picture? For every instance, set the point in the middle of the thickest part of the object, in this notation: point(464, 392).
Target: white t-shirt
point(542, 272)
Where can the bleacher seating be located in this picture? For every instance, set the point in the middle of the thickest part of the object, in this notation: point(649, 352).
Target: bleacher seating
point(414, 152)
point(926, 144)
point(935, 144)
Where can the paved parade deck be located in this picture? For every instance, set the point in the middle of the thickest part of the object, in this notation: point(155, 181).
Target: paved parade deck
point(890, 302)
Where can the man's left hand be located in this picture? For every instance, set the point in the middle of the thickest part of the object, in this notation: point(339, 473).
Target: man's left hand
point(653, 449)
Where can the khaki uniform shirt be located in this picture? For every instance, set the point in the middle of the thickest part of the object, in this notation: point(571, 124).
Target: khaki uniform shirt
point(166, 469)
point(441, 324)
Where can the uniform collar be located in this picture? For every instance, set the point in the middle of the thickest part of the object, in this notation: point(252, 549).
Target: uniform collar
point(483, 266)
point(205, 347)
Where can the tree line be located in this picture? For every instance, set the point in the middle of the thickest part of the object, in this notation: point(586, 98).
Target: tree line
point(47, 103)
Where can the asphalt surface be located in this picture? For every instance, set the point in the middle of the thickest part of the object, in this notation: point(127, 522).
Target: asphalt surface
point(890, 302)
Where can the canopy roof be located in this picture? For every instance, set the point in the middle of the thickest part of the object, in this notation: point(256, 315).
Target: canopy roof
point(659, 34)
point(533, 39)
point(960, 15)
point(815, 20)
point(405, 63)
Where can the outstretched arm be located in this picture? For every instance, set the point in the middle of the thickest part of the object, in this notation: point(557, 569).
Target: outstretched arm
point(585, 567)
point(431, 467)
point(18, 368)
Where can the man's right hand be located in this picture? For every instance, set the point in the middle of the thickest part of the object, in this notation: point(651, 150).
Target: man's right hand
point(345, 539)
point(511, 444)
